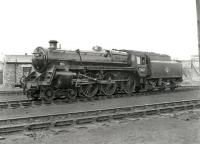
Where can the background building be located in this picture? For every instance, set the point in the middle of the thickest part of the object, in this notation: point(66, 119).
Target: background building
point(1, 72)
point(14, 67)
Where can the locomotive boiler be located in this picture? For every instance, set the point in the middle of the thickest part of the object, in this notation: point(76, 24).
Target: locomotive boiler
point(67, 74)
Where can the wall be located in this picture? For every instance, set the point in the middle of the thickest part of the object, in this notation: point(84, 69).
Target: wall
point(1, 72)
point(8, 75)
point(186, 63)
point(12, 73)
point(1, 76)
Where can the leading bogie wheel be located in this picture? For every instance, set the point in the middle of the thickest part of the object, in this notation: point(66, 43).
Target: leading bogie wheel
point(33, 95)
point(48, 95)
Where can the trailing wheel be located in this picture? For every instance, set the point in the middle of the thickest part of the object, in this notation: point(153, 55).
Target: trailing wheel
point(129, 85)
point(137, 89)
point(110, 87)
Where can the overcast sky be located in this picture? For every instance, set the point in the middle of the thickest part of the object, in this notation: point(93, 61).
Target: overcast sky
point(163, 26)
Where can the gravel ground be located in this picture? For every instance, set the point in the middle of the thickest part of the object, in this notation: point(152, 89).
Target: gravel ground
point(12, 97)
point(102, 104)
point(179, 128)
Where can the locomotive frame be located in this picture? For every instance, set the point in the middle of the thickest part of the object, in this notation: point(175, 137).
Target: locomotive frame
point(67, 74)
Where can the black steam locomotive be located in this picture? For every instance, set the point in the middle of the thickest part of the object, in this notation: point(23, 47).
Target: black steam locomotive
point(67, 74)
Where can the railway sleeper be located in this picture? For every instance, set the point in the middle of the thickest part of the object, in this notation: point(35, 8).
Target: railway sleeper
point(119, 116)
point(136, 114)
point(166, 110)
point(150, 106)
point(63, 123)
point(4, 122)
point(141, 113)
point(13, 121)
point(140, 107)
point(18, 121)
point(197, 106)
point(190, 107)
point(37, 126)
point(179, 108)
point(78, 114)
point(194, 101)
point(3, 106)
point(15, 105)
point(12, 129)
point(26, 104)
point(124, 109)
point(113, 110)
point(179, 103)
point(91, 119)
point(102, 118)
point(152, 112)
point(85, 120)
point(38, 103)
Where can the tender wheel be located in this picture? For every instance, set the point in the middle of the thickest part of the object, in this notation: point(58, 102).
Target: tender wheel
point(129, 85)
point(172, 85)
point(109, 89)
point(88, 90)
point(162, 88)
point(49, 94)
point(172, 88)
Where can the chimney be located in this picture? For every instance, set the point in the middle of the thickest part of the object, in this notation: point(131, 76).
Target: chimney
point(53, 44)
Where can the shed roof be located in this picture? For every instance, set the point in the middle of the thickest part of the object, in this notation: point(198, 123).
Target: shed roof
point(18, 59)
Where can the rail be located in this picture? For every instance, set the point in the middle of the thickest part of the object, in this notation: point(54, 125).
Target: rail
point(21, 124)
point(31, 103)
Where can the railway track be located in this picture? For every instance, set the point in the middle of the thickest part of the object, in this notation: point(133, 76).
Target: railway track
point(30, 103)
point(21, 124)
point(19, 92)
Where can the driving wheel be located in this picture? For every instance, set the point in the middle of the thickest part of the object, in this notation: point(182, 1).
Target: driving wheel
point(110, 87)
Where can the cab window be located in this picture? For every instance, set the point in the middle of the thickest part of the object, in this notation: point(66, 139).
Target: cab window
point(141, 60)
point(138, 60)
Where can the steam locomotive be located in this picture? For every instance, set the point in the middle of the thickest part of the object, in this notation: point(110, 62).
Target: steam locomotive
point(67, 74)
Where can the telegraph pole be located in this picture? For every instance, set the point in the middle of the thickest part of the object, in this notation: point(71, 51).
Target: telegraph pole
point(198, 26)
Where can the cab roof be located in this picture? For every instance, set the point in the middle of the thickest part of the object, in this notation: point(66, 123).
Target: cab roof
point(151, 55)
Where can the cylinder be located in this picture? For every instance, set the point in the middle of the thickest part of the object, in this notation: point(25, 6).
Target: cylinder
point(64, 79)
